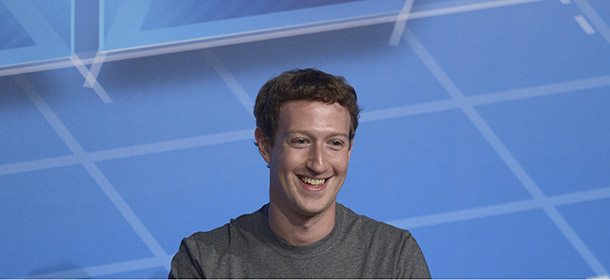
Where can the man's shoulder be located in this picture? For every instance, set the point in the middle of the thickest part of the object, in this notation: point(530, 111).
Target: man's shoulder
point(207, 253)
point(358, 222)
point(387, 246)
point(210, 237)
point(221, 237)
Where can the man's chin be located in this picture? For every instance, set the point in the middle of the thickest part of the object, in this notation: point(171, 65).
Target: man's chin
point(312, 209)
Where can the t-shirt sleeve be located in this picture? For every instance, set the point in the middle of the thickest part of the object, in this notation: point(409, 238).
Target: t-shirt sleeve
point(412, 264)
point(185, 263)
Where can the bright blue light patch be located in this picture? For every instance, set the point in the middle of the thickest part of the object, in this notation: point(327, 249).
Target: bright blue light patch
point(171, 13)
point(12, 35)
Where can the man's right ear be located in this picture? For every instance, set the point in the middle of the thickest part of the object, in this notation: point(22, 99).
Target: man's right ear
point(263, 143)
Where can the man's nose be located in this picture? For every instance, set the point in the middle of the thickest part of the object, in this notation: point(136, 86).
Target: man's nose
point(317, 159)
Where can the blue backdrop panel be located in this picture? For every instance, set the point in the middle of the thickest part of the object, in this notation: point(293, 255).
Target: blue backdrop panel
point(506, 246)
point(514, 47)
point(447, 168)
point(34, 30)
point(343, 51)
point(166, 114)
point(592, 229)
point(31, 137)
point(57, 220)
point(178, 182)
point(567, 130)
point(485, 128)
point(128, 24)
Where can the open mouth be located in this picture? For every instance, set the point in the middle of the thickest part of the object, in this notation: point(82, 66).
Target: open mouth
point(316, 183)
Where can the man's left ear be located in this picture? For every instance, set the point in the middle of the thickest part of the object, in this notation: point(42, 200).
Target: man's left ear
point(351, 146)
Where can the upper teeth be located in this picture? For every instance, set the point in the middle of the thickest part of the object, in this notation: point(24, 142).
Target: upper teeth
point(311, 181)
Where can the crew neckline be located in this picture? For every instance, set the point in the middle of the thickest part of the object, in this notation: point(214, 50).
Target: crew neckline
point(300, 252)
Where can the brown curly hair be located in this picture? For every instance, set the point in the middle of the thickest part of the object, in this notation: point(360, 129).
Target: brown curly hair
point(303, 84)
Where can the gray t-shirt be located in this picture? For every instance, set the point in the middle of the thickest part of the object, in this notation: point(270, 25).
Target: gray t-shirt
point(357, 247)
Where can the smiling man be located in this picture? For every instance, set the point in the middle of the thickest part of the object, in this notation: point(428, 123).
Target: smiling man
point(306, 122)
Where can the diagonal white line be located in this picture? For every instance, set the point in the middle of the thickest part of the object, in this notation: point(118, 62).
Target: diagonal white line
point(501, 209)
point(309, 28)
point(469, 8)
point(180, 144)
point(106, 269)
point(48, 114)
point(39, 164)
point(368, 116)
point(317, 27)
point(480, 124)
point(530, 92)
point(91, 168)
point(94, 70)
point(409, 223)
point(584, 24)
point(85, 73)
point(130, 151)
point(503, 152)
point(409, 110)
point(127, 21)
point(237, 90)
point(401, 22)
point(506, 156)
point(467, 214)
point(34, 23)
point(600, 277)
point(596, 20)
point(260, 35)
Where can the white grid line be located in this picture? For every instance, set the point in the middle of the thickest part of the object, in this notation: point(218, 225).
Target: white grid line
point(453, 216)
point(584, 24)
point(197, 44)
point(106, 269)
point(130, 151)
point(401, 22)
point(501, 209)
point(39, 164)
point(228, 78)
point(91, 168)
point(409, 223)
point(247, 134)
point(34, 23)
point(99, 90)
point(379, 114)
point(596, 20)
point(94, 69)
point(503, 152)
point(302, 29)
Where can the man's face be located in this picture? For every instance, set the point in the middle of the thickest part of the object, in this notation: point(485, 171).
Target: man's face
point(308, 161)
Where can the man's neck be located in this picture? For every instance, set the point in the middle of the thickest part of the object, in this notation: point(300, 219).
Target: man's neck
point(300, 230)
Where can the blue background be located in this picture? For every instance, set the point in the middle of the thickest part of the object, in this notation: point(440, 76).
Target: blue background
point(485, 129)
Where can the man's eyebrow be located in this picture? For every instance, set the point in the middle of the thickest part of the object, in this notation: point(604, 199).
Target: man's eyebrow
point(340, 134)
point(291, 132)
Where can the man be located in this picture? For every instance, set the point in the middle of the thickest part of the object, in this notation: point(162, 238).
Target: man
point(306, 122)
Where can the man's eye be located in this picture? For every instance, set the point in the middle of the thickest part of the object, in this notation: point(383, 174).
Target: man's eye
point(299, 141)
point(337, 143)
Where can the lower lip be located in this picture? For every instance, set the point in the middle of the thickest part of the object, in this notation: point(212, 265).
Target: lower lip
point(312, 188)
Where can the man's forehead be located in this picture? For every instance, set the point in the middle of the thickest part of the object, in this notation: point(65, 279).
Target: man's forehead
point(310, 105)
point(314, 115)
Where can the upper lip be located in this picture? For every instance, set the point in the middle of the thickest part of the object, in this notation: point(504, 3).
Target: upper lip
point(313, 177)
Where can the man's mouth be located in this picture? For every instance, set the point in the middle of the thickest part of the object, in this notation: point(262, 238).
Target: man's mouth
point(312, 182)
